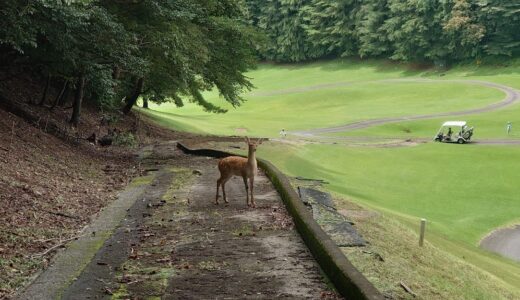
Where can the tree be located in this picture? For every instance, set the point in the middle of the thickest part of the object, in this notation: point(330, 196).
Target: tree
point(331, 26)
point(463, 30)
point(189, 47)
point(284, 22)
point(372, 38)
point(68, 41)
point(415, 29)
point(501, 19)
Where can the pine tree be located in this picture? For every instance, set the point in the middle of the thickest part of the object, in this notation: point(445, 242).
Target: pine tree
point(284, 23)
point(331, 26)
point(501, 19)
point(373, 41)
point(415, 29)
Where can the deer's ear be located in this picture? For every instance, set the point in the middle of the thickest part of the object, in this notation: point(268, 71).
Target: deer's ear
point(246, 139)
point(259, 141)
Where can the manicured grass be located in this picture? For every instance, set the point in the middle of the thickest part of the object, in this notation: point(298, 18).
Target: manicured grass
point(266, 115)
point(463, 191)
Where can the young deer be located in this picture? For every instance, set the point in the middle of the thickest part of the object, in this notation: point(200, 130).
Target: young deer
point(239, 166)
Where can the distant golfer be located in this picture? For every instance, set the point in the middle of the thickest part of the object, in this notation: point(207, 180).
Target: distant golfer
point(283, 133)
point(509, 126)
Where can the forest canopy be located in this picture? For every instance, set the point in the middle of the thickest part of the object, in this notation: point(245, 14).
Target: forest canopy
point(429, 31)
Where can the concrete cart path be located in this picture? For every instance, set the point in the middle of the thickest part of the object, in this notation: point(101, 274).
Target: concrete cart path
point(175, 243)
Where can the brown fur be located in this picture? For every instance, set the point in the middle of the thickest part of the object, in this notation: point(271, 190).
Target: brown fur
point(239, 166)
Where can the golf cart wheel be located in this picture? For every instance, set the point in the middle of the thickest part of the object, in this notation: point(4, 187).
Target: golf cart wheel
point(461, 141)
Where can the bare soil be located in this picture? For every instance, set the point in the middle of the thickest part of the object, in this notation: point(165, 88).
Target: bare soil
point(48, 191)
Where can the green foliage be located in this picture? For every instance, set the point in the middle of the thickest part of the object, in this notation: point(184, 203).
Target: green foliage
point(331, 26)
point(190, 46)
point(463, 30)
point(125, 139)
point(178, 47)
point(415, 30)
point(502, 21)
point(372, 37)
point(284, 22)
point(438, 31)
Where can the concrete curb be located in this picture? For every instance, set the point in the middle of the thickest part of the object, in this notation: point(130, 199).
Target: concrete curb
point(68, 264)
point(346, 278)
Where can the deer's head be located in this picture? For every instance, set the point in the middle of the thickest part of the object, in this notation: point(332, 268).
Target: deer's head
point(252, 145)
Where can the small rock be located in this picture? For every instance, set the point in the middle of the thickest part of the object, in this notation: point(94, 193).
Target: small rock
point(197, 172)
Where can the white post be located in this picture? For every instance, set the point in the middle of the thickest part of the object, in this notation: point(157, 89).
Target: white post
point(423, 228)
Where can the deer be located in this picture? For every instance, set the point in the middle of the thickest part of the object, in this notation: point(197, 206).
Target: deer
point(239, 166)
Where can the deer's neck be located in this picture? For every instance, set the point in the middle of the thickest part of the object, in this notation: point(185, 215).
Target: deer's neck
point(251, 159)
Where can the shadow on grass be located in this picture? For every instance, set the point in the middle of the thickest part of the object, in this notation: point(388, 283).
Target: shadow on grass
point(488, 67)
point(167, 120)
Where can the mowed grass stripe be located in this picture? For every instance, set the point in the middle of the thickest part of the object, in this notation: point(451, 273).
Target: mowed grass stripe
point(266, 115)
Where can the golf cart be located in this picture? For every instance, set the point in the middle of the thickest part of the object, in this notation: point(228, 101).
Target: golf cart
point(454, 132)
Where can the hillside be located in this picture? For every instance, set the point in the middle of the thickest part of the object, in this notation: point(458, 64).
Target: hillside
point(51, 187)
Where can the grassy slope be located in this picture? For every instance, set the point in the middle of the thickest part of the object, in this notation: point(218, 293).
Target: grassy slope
point(462, 200)
point(463, 191)
point(429, 271)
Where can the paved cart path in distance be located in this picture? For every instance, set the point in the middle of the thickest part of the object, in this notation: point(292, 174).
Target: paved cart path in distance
point(512, 96)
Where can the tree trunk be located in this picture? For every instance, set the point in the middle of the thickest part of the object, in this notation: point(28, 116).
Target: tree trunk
point(61, 94)
point(130, 102)
point(145, 103)
point(78, 98)
point(44, 96)
point(65, 96)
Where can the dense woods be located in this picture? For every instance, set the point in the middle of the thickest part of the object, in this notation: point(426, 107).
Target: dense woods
point(426, 31)
point(113, 52)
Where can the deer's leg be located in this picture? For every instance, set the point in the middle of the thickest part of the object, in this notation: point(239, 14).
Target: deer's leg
point(224, 188)
point(247, 190)
point(251, 183)
point(219, 181)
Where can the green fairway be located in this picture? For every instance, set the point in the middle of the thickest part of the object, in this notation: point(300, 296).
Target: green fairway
point(283, 103)
point(464, 191)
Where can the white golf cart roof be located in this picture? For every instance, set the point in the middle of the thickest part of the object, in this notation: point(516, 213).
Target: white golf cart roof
point(454, 123)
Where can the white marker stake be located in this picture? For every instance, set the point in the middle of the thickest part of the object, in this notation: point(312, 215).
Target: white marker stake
point(423, 228)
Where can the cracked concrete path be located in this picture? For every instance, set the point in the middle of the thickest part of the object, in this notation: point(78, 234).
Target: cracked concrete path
point(175, 243)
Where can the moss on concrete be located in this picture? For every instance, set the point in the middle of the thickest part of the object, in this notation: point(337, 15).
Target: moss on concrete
point(143, 180)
